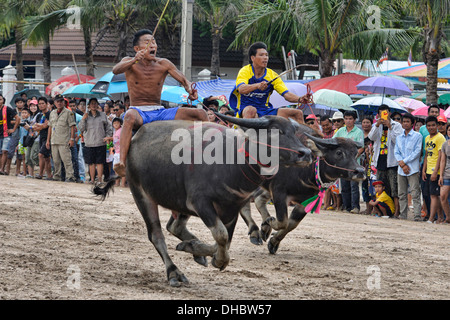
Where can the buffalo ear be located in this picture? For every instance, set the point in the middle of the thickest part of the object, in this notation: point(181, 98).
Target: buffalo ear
point(323, 143)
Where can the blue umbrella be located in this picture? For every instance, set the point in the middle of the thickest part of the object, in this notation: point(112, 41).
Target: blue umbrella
point(176, 94)
point(110, 84)
point(82, 91)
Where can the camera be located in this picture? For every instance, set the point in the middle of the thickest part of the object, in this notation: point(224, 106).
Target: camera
point(22, 123)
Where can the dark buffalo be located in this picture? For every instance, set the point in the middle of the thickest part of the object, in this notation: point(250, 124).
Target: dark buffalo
point(295, 185)
point(214, 192)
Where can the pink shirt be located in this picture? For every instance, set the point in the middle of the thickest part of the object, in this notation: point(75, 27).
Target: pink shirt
point(116, 140)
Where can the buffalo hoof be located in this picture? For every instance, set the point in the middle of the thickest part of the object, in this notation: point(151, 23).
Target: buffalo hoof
point(266, 229)
point(272, 247)
point(201, 260)
point(256, 240)
point(216, 264)
point(177, 279)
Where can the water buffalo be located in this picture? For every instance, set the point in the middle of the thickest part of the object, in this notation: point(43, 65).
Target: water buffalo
point(214, 192)
point(295, 185)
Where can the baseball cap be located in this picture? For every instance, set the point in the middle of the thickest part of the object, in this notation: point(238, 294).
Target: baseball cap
point(442, 119)
point(311, 116)
point(378, 182)
point(34, 102)
point(58, 97)
point(337, 115)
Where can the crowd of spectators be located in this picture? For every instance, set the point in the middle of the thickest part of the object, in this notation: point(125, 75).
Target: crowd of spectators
point(407, 161)
point(67, 139)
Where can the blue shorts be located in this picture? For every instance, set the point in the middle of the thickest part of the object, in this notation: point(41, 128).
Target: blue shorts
point(447, 183)
point(265, 111)
point(4, 142)
point(156, 115)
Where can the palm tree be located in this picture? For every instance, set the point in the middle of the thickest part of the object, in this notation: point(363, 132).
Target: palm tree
point(432, 16)
point(14, 13)
point(218, 13)
point(90, 20)
point(323, 27)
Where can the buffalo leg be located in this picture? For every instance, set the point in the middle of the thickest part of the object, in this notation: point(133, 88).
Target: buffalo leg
point(296, 216)
point(149, 211)
point(253, 230)
point(219, 251)
point(178, 228)
point(281, 222)
point(261, 205)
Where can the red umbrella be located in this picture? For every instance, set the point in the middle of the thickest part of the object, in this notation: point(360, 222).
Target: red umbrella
point(64, 83)
point(345, 82)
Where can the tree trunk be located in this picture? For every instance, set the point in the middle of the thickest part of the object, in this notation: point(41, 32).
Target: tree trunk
point(326, 64)
point(19, 59)
point(46, 61)
point(432, 71)
point(215, 55)
point(89, 52)
point(431, 54)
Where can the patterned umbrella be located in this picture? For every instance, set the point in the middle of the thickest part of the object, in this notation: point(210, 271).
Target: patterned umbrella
point(411, 104)
point(62, 84)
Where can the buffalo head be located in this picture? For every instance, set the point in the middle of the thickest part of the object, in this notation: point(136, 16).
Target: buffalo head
point(340, 158)
point(291, 150)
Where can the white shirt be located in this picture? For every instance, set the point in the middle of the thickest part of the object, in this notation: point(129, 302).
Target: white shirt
point(392, 134)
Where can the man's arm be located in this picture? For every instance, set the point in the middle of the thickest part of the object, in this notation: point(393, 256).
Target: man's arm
point(126, 63)
point(181, 78)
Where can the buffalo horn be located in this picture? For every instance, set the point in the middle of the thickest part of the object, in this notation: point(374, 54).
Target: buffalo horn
point(255, 123)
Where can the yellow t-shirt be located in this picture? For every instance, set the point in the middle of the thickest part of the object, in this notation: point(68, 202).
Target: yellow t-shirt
point(258, 99)
point(432, 147)
point(383, 197)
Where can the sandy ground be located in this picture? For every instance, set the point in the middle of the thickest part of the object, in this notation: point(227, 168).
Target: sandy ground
point(60, 242)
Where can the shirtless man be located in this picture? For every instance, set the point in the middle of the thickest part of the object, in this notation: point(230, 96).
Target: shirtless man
point(145, 74)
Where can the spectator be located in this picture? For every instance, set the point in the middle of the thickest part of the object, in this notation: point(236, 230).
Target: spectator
point(447, 131)
point(117, 126)
point(430, 171)
point(384, 134)
point(311, 121)
point(95, 127)
point(42, 127)
point(383, 205)
point(327, 127)
point(350, 189)
point(82, 105)
point(407, 151)
point(419, 123)
point(15, 137)
point(396, 116)
point(442, 125)
point(20, 154)
point(61, 137)
point(32, 152)
point(119, 109)
point(223, 109)
point(444, 179)
point(338, 120)
point(126, 102)
point(211, 116)
point(433, 110)
point(9, 122)
point(211, 103)
point(76, 148)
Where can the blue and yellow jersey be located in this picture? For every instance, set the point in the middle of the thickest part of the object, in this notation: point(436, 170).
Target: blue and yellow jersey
point(258, 99)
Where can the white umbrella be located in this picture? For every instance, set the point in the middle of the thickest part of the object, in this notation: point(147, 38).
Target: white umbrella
point(295, 87)
point(372, 104)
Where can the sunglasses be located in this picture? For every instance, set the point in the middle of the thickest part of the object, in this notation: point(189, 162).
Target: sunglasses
point(340, 120)
point(310, 122)
point(396, 119)
point(442, 123)
point(116, 110)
